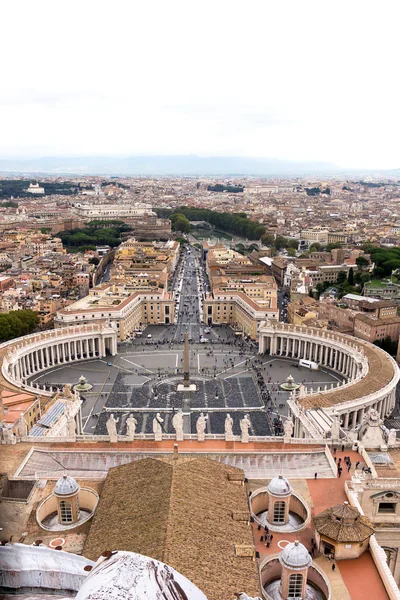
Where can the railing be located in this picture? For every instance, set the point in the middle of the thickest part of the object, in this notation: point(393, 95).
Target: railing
point(168, 436)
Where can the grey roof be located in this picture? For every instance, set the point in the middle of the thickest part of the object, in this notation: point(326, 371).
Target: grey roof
point(295, 556)
point(66, 485)
point(49, 418)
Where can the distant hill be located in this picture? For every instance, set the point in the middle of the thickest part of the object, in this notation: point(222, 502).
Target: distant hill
point(189, 165)
point(165, 165)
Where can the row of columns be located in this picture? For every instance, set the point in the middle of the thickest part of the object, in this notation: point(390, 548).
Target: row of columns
point(326, 355)
point(353, 418)
point(331, 357)
point(59, 353)
point(384, 407)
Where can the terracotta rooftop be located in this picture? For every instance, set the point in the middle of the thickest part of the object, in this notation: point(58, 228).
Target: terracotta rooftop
point(179, 512)
point(343, 523)
point(380, 374)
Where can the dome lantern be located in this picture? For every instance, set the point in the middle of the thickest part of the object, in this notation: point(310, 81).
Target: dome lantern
point(66, 492)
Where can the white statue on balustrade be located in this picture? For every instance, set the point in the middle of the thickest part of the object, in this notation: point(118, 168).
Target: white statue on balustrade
point(157, 421)
point(288, 428)
point(201, 427)
point(392, 438)
point(335, 427)
point(112, 428)
point(71, 424)
point(245, 425)
point(67, 393)
point(177, 424)
point(6, 435)
point(228, 428)
point(131, 427)
point(22, 426)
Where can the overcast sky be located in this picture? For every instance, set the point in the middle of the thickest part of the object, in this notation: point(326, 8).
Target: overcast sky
point(291, 79)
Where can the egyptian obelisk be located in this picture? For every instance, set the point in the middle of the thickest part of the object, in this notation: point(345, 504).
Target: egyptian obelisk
point(186, 367)
point(186, 387)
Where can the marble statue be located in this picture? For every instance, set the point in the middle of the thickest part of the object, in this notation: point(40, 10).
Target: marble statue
point(71, 425)
point(7, 436)
point(157, 427)
point(22, 426)
point(201, 427)
point(245, 424)
point(370, 433)
point(112, 428)
point(302, 391)
point(67, 391)
point(288, 428)
point(131, 427)
point(335, 427)
point(391, 438)
point(228, 428)
point(177, 424)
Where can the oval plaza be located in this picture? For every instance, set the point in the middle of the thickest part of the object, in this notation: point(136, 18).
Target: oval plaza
point(259, 491)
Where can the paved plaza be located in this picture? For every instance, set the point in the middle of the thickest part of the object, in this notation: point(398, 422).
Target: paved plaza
point(142, 380)
point(229, 375)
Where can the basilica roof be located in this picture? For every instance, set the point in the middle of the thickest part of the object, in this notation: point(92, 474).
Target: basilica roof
point(181, 512)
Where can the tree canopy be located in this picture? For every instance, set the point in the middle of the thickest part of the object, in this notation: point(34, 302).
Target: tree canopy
point(90, 237)
point(235, 223)
point(17, 323)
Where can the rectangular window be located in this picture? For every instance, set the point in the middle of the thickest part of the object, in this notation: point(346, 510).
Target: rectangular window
point(295, 585)
point(388, 508)
point(65, 511)
point(279, 512)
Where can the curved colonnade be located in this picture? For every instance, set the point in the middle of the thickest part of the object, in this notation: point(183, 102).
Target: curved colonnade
point(31, 354)
point(370, 376)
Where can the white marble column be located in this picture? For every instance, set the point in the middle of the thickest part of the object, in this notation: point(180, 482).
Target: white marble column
point(346, 421)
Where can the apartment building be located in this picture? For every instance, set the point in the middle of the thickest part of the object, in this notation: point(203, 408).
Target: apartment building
point(242, 294)
point(124, 309)
point(116, 211)
point(365, 318)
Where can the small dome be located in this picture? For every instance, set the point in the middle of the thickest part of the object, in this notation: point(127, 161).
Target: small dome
point(295, 556)
point(65, 486)
point(279, 486)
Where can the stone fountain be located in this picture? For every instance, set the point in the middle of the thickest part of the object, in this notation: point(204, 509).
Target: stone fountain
point(83, 385)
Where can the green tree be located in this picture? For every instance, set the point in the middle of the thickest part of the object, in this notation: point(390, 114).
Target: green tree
point(181, 223)
point(268, 239)
point(332, 246)
point(316, 247)
point(341, 278)
point(350, 277)
point(291, 252)
point(17, 323)
point(361, 262)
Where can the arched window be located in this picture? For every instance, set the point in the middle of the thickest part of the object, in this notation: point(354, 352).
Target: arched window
point(65, 511)
point(279, 512)
point(295, 586)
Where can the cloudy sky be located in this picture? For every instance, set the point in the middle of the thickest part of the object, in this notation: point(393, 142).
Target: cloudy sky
point(291, 79)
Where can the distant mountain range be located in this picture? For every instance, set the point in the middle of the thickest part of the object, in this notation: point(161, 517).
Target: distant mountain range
point(187, 165)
